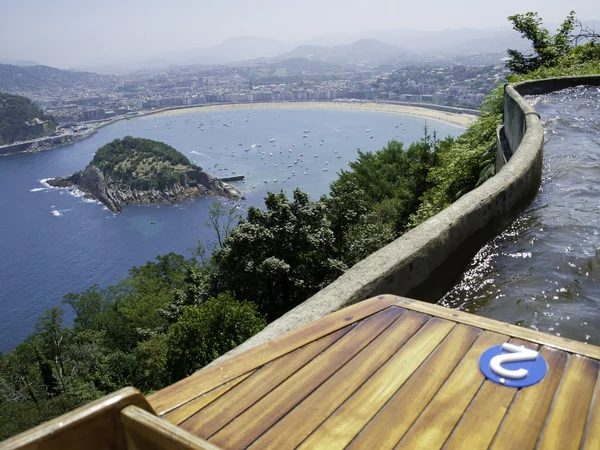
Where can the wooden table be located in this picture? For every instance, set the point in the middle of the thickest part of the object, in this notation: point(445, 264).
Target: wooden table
point(390, 372)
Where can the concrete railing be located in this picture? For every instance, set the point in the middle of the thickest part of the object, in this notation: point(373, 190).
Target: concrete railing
point(426, 261)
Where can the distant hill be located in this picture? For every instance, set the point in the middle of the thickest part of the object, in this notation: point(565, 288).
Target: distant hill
point(231, 50)
point(22, 120)
point(446, 41)
point(18, 62)
point(368, 50)
point(18, 79)
point(142, 171)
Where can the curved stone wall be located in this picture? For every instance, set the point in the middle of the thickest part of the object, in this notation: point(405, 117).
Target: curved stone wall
point(425, 262)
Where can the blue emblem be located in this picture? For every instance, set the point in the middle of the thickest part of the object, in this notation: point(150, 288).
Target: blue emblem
point(513, 365)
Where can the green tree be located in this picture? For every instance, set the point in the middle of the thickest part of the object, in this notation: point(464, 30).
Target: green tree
point(547, 47)
point(207, 331)
point(279, 256)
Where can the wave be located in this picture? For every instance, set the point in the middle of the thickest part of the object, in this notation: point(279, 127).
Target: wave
point(44, 182)
point(37, 189)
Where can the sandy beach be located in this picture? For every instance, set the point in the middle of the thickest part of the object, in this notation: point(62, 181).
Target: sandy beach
point(462, 120)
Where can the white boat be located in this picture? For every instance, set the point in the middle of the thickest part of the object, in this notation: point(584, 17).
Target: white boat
point(275, 180)
point(325, 169)
point(307, 131)
point(265, 181)
point(368, 130)
point(371, 137)
point(305, 136)
point(272, 140)
point(339, 156)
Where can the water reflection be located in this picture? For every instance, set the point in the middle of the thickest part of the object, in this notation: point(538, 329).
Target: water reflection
point(543, 271)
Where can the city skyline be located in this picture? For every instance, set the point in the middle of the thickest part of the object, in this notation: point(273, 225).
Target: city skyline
point(72, 34)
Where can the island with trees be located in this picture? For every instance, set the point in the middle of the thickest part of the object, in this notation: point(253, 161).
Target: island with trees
point(142, 171)
point(22, 120)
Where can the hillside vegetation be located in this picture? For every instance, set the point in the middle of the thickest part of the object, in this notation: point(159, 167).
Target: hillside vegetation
point(170, 317)
point(142, 163)
point(21, 120)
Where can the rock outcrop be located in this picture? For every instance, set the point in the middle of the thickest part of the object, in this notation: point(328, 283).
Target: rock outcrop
point(115, 193)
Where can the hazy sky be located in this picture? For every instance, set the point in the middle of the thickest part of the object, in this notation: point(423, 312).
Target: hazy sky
point(68, 33)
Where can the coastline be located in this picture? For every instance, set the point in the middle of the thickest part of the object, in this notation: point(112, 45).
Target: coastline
point(461, 120)
point(458, 119)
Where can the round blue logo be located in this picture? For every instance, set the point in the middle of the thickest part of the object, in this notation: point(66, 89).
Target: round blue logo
point(513, 365)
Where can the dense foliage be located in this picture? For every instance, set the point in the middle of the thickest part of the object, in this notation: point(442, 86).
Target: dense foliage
point(172, 316)
point(17, 120)
point(142, 163)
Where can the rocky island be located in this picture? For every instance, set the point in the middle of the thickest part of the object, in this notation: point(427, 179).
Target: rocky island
point(142, 171)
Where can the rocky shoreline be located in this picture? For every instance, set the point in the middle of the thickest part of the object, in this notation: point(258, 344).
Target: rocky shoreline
point(115, 194)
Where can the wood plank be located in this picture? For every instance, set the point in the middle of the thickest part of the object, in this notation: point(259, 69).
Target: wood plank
point(451, 401)
point(263, 414)
point(479, 424)
point(339, 430)
point(525, 419)
point(591, 440)
point(145, 431)
point(292, 429)
point(516, 331)
point(208, 379)
point(568, 415)
point(218, 414)
point(180, 414)
point(396, 417)
point(94, 426)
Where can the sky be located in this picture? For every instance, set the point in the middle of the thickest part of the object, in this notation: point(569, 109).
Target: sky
point(74, 33)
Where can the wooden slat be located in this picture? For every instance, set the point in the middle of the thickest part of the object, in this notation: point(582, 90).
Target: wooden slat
point(447, 407)
point(212, 377)
point(93, 426)
point(339, 430)
point(391, 423)
point(516, 331)
point(145, 431)
point(525, 419)
point(257, 419)
point(180, 414)
point(214, 417)
point(479, 424)
point(292, 429)
point(591, 440)
point(568, 415)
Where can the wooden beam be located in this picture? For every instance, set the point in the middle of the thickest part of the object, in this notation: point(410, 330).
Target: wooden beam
point(95, 426)
point(516, 331)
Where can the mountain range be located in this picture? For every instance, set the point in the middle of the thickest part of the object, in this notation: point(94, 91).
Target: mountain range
point(382, 46)
point(377, 46)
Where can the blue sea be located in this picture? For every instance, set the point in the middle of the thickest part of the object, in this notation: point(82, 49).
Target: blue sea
point(53, 241)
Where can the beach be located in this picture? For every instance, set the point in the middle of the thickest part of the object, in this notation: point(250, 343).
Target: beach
point(462, 120)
